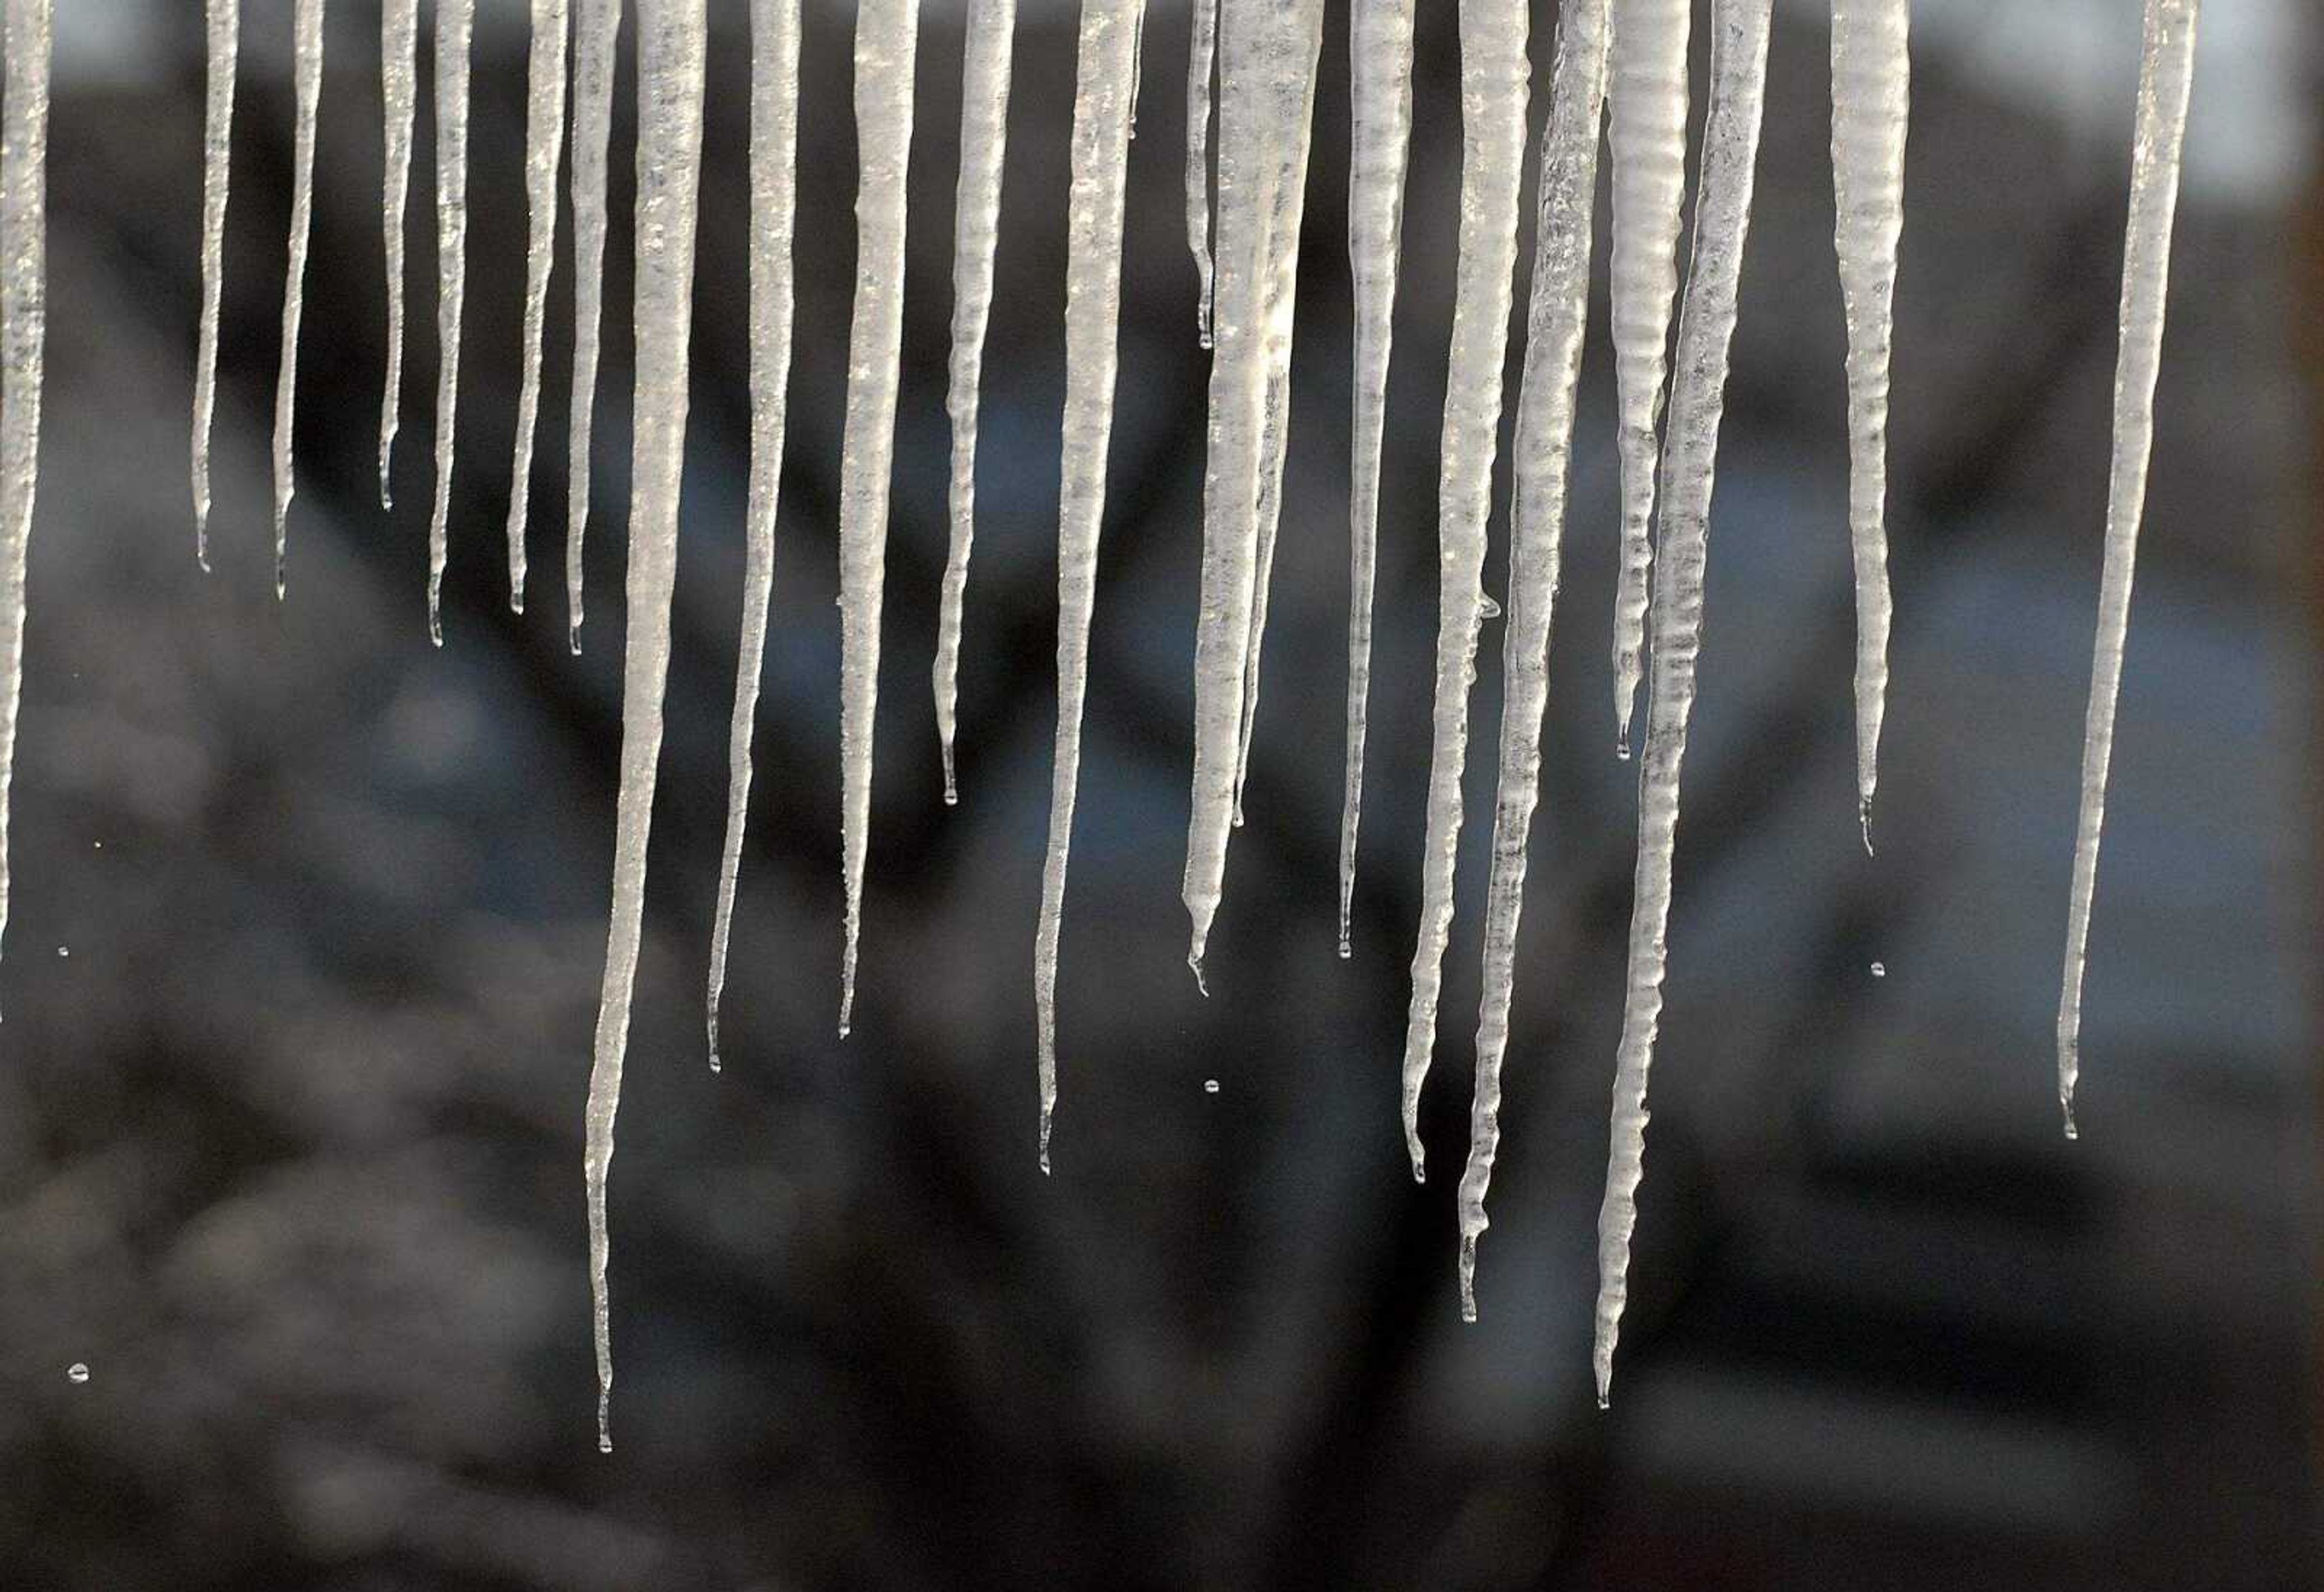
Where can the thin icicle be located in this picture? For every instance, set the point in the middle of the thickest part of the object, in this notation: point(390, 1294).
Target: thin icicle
point(596, 27)
point(1871, 99)
point(456, 25)
point(307, 55)
point(1379, 66)
point(25, 38)
point(1493, 84)
point(2166, 70)
point(544, 149)
point(1541, 452)
point(976, 231)
point(399, 85)
point(1104, 98)
point(672, 39)
point(887, 36)
point(1739, 89)
point(1202, 52)
point(774, 163)
point(222, 31)
point(1646, 131)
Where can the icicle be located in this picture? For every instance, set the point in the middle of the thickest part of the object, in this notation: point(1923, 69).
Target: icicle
point(1647, 130)
point(456, 23)
point(544, 147)
point(1105, 92)
point(1202, 50)
point(596, 26)
point(1540, 451)
point(886, 34)
point(399, 84)
point(307, 52)
point(774, 163)
point(1493, 84)
point(672, 38)
point(1380, 57)
point(222, 31)
point(1871, 90)
point(2166, 70)
point(976, 230)
point(1739, 87)
point(24, 325)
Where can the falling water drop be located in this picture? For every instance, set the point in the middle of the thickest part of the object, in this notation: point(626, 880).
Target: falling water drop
point(77, 1373)
point(1879, 970)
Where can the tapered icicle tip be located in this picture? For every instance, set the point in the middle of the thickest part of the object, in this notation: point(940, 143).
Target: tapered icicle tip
point(1194, 962)
point(715, 1065)
point(281, 571)
point(952, 786)
point(436, 609)
point(1048, 1113)
point(202, 539)
point(386, 491)
point(2066, 1110)
point(572, 637)
point(1468, 1278)
point(1864, 819)
point(1347, 945)
point(1622, 741)
point(604, 1421)
point(516, 600)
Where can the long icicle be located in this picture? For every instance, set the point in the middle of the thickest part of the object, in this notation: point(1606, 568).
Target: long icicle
point(399, 86)
point(544, 149)
point(596, 28)
point(1871, 99)
point(25, 37)
point(887, 36)
point(223, 31)
point(774, 184)
point(976, 232)
point(2166, 72)
point(1646, 131)
point(1493, 84)
point(456, 25)
point(671, 45)
point(306, 55)
point(1541, 452)
point(1739, 89)
point(1379, 65)
point(1202, 53)
point(1104, 101)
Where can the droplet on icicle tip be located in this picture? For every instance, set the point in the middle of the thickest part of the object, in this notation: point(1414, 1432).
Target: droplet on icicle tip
point(1347, 948)
point(1623, 747)
point(952, 785)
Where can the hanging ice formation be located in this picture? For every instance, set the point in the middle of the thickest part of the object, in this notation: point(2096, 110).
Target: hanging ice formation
point(398, 86)
point(25, 40)
point(221, 31)
point(1202, 52)
point(596, 27)
point(2166, 70)
point(306, 53)
point(544, 147)
point(455, 24)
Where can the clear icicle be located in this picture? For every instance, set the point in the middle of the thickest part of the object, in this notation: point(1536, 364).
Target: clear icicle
point(1202, 51)
point(399, 83)
point(1871, 96)
point(1379, 56)
point(306, 55)
point(456, 25)
point(1541, 452)
point(672, 39)
point(2166, 70)
point(222, 31)
point(25, 38)
point(1493, 84)
point(976, 231)
point(774, 164)
point(1646, 131)
point(596, 27)
point(1104, 94)
point(887, 36)
point(544, 149)
point(1739, 87)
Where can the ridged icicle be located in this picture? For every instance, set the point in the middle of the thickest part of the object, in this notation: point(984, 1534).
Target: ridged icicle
point(597, 29)
point(222, 33)
point(399, 86)
point(1202, 52)
point(455, 26)
point(25, 38)
point(307, 71)
point(544, 151)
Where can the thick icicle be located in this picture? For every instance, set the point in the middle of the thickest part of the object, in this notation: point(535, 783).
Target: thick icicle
point(672, 37)
point(976, 230)
point(456, 25)
point(2166, 70)
point(1493, 84)
point(25, 38)
point(1871, 94)
point(1380, 137)
point(596, 26)
point(887, 36)
point(544, 149)
point(1646, 131)
point(399, 84)
point(1104, 94)
point(774, 164)
point(1202, 52)
point(1541, 452)
point(1739, 87)
point(307, 55)
point(223, 29)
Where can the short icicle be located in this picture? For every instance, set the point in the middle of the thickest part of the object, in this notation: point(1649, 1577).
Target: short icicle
point(223, 33)
point(2166, 72)
point(399, 85)
point(25, 38)
point(544, 151)
point(306, 57)
point(597, 29)
point(672, 38)
point(1202, 61)
point(455, 26)
point(1739, 87)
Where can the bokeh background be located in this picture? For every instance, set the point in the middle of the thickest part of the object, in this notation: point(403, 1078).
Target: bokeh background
point(308, 917)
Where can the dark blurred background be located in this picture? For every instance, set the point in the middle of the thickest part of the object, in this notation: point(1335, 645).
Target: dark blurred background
point(308, 917)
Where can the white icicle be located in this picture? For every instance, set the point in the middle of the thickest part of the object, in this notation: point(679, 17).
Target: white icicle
point(1379, 136)
point(1739, 85)
point(774, 163)
point(1541, 452)
point(887, 36)
point(25, 40)
point(672, 39)
point(307, 55)
point(399, 85)
point(455, 24)
point(544, 149)
point(596, 25)
point(1871, 96)
point(2166, 70)
point(1493, 84)
point(222, 31)
point(1646, 131)
point(976, 231)
point(1202, 51)
point(1105, 97)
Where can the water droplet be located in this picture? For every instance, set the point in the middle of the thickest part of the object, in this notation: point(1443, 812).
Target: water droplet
point(77, 1373)
point(64, 950)
point(1210, 1086)
point(1879, 970)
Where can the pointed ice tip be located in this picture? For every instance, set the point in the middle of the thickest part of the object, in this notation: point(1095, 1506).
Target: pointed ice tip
point(1604, 1403)
point(1047, 1113)
point(516, 600)
point(1195, 961)
point(1469, 1281)
point(1622, 742)
point(572, 637)
point(952, 785)
point(604, 1421)
point(2065, 1105)
point(1238, 812)
point(1864, 818)
point(846, 1028)
point(1347, 948)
